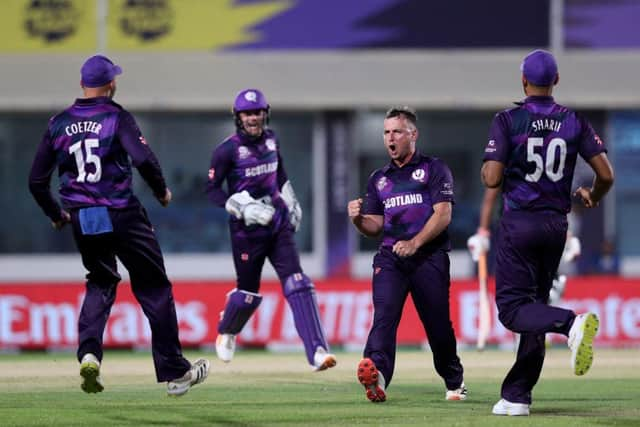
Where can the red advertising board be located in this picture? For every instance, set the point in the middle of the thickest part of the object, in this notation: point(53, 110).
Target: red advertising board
point(41, 315)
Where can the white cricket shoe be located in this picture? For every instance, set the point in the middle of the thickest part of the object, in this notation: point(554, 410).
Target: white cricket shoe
point(458, 394)
point(581, 334)
point(198, 373)
point(225, 347)
point(323, 360)
point(90, 373)
point(504, 407)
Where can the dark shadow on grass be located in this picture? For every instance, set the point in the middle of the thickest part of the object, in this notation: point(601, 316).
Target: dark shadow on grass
point(183, 418)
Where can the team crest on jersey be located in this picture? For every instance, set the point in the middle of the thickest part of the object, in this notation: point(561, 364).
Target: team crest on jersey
point(447, 189)
point(251, 96)
point(243, 152)
point(382, 182)
point(142, 140)
point(212, 173)
point(418, 175)
point(271, 144)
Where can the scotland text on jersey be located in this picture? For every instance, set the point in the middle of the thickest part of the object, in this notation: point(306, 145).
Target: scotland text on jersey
point(402, 200)
point(261, 169)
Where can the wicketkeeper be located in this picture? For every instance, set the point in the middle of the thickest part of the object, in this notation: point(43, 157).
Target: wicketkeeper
point(264, 215)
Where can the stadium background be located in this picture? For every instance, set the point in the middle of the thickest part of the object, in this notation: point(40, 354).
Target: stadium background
point(329, 69)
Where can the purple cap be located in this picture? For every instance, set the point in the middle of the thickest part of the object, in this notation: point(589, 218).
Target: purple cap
point(250, 99)
point(98, 71)
point(540, 68)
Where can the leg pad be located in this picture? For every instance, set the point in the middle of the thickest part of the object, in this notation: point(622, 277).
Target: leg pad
point(301, 295)
point(238, 310)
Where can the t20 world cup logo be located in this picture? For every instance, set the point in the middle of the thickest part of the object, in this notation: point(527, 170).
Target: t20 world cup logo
point(51, 20)
point(147, 20)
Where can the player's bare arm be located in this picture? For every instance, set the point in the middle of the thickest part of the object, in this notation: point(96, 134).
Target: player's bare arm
point(601, 184)
point(488, 202)
point(479, 243)
point(436, 224)
point(491, 173)
point(369, 225)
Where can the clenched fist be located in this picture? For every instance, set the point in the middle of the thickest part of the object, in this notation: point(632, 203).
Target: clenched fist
point(354, 207)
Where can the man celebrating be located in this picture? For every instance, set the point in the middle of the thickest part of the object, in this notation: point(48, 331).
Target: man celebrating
point(409, 202)
point(532, 153)
point(265, 214)
point(91, 143)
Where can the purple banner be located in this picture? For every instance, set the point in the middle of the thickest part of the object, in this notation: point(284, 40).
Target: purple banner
point(602, 24)
point(408, 24)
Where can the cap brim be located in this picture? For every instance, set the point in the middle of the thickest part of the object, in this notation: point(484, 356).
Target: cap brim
point(117, 70)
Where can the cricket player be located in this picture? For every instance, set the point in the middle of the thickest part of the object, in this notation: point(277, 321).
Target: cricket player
point(409, 203)
point(532, 153)
point(93, 143)
point(264, 215)
point(480, 243)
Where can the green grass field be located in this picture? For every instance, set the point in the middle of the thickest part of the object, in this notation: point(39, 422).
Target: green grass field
point(261, 389)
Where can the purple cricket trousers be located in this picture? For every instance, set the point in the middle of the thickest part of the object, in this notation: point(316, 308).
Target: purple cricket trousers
point(134, 243)
point(529, 248)
point(426, 278)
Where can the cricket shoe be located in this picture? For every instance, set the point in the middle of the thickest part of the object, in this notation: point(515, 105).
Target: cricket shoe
point(581, 335)
point(458, 394)
point(225, 347)
point(372, 380)
point(90, 373)
point(198, 372)
point(323, 360)
point(504, 407)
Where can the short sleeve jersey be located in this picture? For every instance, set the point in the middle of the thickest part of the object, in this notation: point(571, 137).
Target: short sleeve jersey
point(91, 143)
point(405, 197)
point(538, 142)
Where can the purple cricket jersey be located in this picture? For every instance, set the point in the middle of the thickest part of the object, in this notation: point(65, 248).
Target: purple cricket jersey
point(251, 164)
point(91, 143)
point(538, 142)
point(405, 197)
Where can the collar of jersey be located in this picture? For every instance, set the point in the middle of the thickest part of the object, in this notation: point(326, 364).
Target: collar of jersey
point(414, 161)
point(247, 139)
point(94, 101)
point(537, 99)
point(90, 102)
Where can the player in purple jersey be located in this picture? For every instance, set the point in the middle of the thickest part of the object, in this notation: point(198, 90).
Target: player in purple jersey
point(480, 243)
point(408, 203)
point(265, 214)
point(93, 143)
point(532, 153)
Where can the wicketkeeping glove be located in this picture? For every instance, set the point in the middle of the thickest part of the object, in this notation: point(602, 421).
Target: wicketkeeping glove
point(243, 206)
point(572, 249)
point(290, 199)
point(478, 243)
